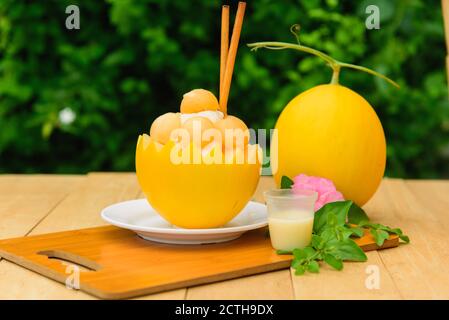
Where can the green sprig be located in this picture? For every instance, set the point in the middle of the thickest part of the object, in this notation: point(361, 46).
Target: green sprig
point(335, 226)
point(381, 232)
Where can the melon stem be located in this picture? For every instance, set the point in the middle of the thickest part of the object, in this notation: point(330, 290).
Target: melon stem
point(333, 63)
point(335, 74)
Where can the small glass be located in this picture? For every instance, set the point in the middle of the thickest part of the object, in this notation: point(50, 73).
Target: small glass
point(290, 217)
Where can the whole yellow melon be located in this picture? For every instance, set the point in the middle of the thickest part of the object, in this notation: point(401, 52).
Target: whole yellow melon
point(331, 131)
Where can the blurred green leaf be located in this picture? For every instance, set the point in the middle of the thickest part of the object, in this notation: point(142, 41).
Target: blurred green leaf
point(132, 61)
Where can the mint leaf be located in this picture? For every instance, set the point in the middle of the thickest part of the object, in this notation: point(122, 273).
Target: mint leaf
point(374, 234)
point(286, 182)
point(379, 236)
point(313, 267)
point(335, 233)
point(333, 261)
point(344, 232)
point(357, 231)
point(376, 226)
point(339, 209)
point(296, 263)
point(357, 214)
point(300, 270)
point(404, 238)
point(349, 250)
point(317, 242)
point(363, 224)
point(310, 252)
point(378, 231)
point(396, 231)
point(382, 236)
point(328, 234)
point(299, 254)
point(332, 220)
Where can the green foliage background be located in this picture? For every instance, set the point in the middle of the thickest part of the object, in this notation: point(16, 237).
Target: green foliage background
point(133, 59)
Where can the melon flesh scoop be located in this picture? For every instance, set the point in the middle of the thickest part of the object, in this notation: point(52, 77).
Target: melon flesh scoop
point(201, 107)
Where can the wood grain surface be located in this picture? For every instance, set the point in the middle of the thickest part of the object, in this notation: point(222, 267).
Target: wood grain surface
point(41, 204)
point(119, 264)
point(115, 263)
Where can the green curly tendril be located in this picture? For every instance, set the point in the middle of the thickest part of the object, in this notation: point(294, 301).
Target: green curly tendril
point(333, 63)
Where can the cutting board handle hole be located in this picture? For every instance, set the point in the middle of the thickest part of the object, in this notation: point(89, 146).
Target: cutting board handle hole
point(66, 257)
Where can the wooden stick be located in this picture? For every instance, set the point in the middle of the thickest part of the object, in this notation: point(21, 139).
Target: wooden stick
point(445, 9)
point(224, 44)
point(231, 57)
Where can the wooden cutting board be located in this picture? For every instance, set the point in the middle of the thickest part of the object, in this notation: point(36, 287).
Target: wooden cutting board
point(119, 264)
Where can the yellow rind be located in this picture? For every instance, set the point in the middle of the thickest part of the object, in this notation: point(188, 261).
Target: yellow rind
point(195, 195)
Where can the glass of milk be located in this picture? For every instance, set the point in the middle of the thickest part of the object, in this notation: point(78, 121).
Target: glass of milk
point(290, 217)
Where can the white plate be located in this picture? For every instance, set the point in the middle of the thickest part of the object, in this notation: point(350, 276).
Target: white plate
point(140, 217)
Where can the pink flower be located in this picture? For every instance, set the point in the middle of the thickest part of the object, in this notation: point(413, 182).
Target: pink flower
point(324, 187)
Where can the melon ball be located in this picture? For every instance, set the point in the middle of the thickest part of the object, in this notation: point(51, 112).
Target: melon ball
point(199, 100)
point(213, 116)
point(233, 127)
point(198, 125)
point(163, 125)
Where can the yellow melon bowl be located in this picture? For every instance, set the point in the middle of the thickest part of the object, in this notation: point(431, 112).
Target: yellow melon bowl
point(195, 195)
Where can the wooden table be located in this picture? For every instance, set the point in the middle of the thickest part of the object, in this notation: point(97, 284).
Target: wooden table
point(35, 204)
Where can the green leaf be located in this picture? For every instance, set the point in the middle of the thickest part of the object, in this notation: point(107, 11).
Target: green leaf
point(381, 232)
point(404, 238)
point(310, 252)
point(357, 214)
point(313, 267)
point(382, 236)
point(317, 242)
point(344, 232)
point(299, 254)
point(379, 226)
point(296, 263)
point(396, 231)
point(332, 220)
point(300, 270)
point(286, 182)
point(333, 261)
point(328, 234)
point(363, 223)
point(374, 234)
point(376, 225)
point(349, 250)
point(379, 236)
point(357, 231)
point(339, 209)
